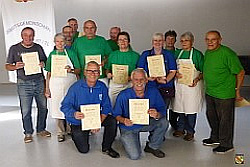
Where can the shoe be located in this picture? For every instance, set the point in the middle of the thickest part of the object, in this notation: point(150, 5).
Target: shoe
point(210, 142)
point(222, 150)
point(178, 133)
point(60, 138)
point(28, 138)
point(158, 153)
point(112, 153)
point(44, 133)
point(189, 137)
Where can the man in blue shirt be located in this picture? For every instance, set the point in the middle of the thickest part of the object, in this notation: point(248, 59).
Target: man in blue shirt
point(157, 121)
point(90, 91)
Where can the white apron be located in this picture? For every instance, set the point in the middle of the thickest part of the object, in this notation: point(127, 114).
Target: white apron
point(188, 100)
point(58, 88)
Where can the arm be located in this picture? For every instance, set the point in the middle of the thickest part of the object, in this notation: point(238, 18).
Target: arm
point(196, 80)
point(47, 89)
point(12, 67)
point(239, 82)
point(169, 77)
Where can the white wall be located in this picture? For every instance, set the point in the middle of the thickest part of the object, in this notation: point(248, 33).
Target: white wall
point(141, 18)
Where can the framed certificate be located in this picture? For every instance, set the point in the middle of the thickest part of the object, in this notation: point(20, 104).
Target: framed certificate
point(120, 73)
point(138, 111)
point(31, 63)
point(92, 118)
point(96, 58)
point(187, 72)
point(156, 66)
point(58, 66)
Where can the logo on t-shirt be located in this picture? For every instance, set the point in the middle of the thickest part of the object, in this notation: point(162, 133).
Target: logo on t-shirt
point(100, 96)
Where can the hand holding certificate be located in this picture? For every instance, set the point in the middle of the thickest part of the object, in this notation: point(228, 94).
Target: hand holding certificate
point(138, 111)
point(156, 66)
point(120, 73)
point(242, 103)
point(31, 63)
point(58, 66)
point(92, 118)
point(187, 72)
point(95, 58)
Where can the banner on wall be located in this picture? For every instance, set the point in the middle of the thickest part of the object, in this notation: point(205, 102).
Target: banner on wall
point(38, 14)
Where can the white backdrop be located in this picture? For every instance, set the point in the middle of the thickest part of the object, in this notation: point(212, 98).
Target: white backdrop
point(141, 18)
point(38, 14)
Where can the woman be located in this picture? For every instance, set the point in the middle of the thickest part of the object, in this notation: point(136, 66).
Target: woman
point(123, 56)
point(188, 98)
point(164, 83)
point(56, 87)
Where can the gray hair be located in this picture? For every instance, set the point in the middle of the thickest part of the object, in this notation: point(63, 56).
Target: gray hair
point(91, 62)
point(60, 35)
point(139, 70)
point(158, 35)
point(188, 35)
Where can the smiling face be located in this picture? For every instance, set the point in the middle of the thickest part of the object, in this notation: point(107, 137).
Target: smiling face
point(59, 42)
point(28, 37)
point(213, 40)
point(92, 73)
point(123, 42)
point(68, 33)
point(74, 25)
point(89, 29)
point(157, 42)
point(170, 41)
point(186, 43)
point(139, 81)
point(113, 33)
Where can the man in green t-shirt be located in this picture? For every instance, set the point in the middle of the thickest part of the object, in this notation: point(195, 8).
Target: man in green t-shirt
point(72, 22)
point(223, 76)
point(114, 31)
point(91, 46)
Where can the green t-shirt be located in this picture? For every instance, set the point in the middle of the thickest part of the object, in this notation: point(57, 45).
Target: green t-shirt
point(96, 46)
point(75, 36)
point(220, 69)
point(72, 56)
point(129, 58)
point(198, 58)
point(113, 45)
point(175, 51)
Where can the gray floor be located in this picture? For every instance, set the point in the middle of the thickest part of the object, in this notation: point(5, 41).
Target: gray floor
point(47, 152)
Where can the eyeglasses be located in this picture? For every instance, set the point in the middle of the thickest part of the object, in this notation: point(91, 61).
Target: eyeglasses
point(184, 40)
point(93, 71)
point(123, 40)
point(211, 40)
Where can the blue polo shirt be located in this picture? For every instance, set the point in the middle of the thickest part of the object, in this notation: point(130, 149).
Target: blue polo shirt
point(122, 103)
point(80, 94)
point(169, 61)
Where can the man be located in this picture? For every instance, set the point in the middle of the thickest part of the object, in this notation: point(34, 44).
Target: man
point(157, 125)
point(90, 91)
point(68, 33)
point(170, 40)
point(72, 22)
point(223, 76)
point(29, 86)
point(114, 31)
point(90, 45)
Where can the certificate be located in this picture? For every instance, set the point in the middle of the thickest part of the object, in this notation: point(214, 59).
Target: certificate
point(92, 118)
point(58, 66)
point(96, 58)
point(187, 72)
point(31, 63)
point(138, 111)
point(156, 66)
point(120, 73)
point(242, 103)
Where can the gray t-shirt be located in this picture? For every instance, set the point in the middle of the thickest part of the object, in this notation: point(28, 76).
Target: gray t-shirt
point(15, 56)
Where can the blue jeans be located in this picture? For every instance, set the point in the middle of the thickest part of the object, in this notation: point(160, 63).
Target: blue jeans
point(27, 89)
point(187, 122)
point(131, 138)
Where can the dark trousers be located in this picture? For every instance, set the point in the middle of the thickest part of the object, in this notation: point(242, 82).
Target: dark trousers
point(173, 119)
point(220, 115)
point(81, 138)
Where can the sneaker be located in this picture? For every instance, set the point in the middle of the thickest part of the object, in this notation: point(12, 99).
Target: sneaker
point(178, 133)
point(189, 137)
point(210, 142)
point(44, 133)
point(28, 138)
point(158, 153)
point(60, 138)
point(222, 150)
point(112, 153)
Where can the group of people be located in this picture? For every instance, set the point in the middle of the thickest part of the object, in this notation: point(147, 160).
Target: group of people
point(91, 82)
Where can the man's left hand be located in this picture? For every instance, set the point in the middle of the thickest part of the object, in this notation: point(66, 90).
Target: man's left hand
point(153, 113)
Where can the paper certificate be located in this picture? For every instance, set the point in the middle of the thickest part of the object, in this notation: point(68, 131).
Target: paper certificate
point(92, 118)
point(242, 103)
point(156, 66)
point(31, 61)
point(120, 73)
point(187, 72)
point(138, 111)
point(96, 58)
point(58, 66)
